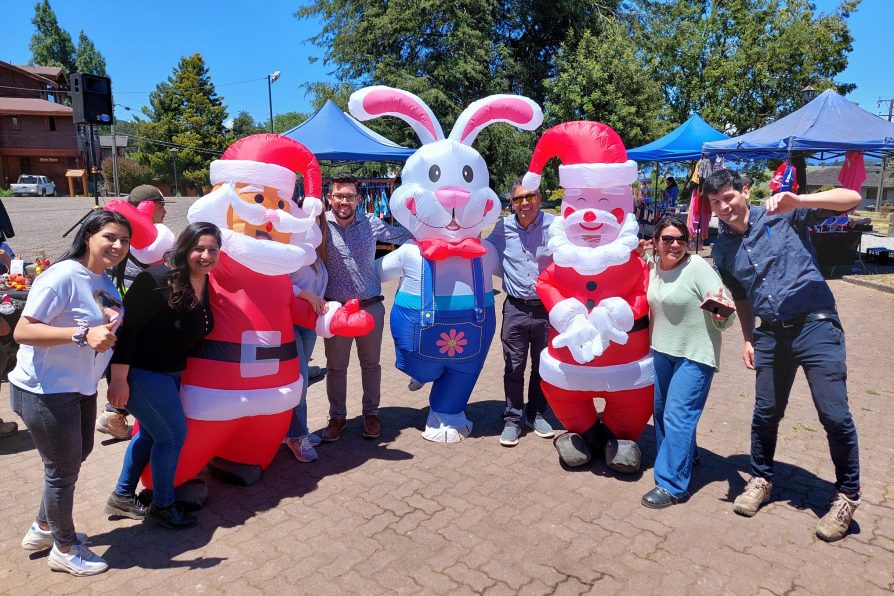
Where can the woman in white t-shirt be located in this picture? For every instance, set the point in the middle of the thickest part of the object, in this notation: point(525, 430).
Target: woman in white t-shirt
point(66, 334)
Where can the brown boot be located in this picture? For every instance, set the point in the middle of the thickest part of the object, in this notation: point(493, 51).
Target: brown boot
point(332, 432)
point(7, 429)
point(115, 424)
point(371, 426)
point(833, 526)
point(756, 493)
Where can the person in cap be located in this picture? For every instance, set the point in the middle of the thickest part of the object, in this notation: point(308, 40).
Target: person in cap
point(145, 210)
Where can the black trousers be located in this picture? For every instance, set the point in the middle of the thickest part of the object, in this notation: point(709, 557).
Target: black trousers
point(525, 328)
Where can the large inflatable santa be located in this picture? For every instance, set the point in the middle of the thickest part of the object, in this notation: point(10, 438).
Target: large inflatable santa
point(239, 389)
point(595, 292)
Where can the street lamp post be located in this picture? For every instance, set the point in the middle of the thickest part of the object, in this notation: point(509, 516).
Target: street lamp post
point(808, 94)
point(174, 159)
point(271, 78)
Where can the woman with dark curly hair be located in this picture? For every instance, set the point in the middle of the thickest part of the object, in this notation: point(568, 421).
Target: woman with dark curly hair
point(66, 334)
point(168, 314)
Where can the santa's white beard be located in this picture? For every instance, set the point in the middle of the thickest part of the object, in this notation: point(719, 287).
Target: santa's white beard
point(592, 260)
point(267, 257)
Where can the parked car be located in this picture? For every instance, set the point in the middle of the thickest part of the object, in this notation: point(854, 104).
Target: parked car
point(29, 184)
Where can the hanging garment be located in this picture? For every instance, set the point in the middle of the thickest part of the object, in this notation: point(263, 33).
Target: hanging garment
point(853, 173)
point(785, 179)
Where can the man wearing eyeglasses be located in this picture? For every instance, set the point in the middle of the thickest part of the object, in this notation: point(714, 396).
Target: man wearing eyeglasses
point(352, 274)
point(520, 239)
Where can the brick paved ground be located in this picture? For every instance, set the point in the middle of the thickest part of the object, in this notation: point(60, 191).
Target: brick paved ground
point(404, 515)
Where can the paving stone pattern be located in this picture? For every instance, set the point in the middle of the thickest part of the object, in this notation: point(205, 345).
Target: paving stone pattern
point(401, 515)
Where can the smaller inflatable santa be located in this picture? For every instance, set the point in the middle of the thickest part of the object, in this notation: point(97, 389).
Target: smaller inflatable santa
point(150, 239)
point(595, 292)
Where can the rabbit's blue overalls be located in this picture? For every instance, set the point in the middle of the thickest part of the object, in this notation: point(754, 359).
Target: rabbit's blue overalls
point(444, 339)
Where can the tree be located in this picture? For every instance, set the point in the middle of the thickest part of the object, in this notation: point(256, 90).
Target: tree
point(287, 121)
point(244, 125)
point(50, 45)
point(742, 63)
point(130, 174)
point(88, 59)
point(185, 126)
point(604, 79)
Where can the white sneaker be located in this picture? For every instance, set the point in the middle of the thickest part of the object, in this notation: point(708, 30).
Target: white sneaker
point(415, 385)
point(37, 539)
point(302, 449)
point(80, 560)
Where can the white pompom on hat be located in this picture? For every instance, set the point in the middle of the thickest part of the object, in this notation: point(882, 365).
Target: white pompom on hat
point(592, 154)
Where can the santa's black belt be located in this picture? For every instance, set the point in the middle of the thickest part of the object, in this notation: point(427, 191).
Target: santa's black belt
point(640, 324)
point(230, 351)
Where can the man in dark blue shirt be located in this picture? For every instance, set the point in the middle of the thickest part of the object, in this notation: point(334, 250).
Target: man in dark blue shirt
point(764, 255)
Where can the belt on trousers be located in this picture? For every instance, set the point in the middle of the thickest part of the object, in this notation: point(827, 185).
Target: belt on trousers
point(525, 301)
point(820, 315)
point(363, 303)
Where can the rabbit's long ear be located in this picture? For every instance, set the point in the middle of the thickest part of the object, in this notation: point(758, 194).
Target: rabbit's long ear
point(512, 109)
point(372, 102)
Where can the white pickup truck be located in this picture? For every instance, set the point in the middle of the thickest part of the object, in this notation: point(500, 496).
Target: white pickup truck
point(38, 186)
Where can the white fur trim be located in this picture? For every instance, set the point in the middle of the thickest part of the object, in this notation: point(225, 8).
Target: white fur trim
point(592, 260)
point(618, 377)
point(155, 252)
point(561, 314)
point(325, 320)
point(446, 428)
point(597, 175)
point(203, 403)
point(253, 172)
point(531, 181)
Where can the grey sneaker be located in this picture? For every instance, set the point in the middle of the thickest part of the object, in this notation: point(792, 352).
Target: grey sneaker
point(314, 439)
point(509, 436)
point(302, 449)
point(833, 526)
point(415, 385)
point(79, 560)
point(115, 424)
point(540, 426)
point(756, 493)
point(37, 540)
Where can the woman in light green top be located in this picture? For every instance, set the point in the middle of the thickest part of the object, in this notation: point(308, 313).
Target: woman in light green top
point(686, 352)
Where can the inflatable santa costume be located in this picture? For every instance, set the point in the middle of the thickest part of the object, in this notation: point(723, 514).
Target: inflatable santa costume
point(239, 389)
point(595, 292)
point(149, 241)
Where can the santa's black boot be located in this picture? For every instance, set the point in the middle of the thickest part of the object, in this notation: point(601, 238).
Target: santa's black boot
point(622, 455)
point(577, 449)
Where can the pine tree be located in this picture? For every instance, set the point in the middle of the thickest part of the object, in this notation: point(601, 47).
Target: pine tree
point(88, 59)
point(50, 45)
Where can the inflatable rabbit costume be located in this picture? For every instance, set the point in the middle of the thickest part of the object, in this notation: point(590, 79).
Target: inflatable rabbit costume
point(443, 316)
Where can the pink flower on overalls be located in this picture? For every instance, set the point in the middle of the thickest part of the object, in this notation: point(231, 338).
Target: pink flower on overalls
point(453, 343)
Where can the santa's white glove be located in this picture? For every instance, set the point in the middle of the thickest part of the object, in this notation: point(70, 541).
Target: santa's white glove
point(581, 339)
point(612, 318)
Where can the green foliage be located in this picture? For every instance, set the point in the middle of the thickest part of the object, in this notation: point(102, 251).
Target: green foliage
point(244, 125)
point(603, 78)
point(88, 59)
point(50, 45)
point(742, 63)
point(5, 192)
point(131, 174)
point(186, 111)
point(287, 121)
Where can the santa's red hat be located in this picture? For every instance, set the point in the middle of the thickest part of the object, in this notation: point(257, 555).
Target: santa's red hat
point(269, 160)
point(592, 154)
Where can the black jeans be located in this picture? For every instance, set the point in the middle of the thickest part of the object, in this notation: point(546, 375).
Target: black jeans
point(61, 426)
point(524, 327)
point(818, 347)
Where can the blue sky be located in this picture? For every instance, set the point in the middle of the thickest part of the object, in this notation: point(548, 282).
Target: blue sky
point(242, 41)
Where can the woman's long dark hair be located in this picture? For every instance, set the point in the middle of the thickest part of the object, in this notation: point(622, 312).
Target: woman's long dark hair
point(181, 296)
point(671, 221)
point(92, 225)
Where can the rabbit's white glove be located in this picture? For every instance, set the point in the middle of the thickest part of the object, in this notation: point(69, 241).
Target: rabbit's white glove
point(612, 318)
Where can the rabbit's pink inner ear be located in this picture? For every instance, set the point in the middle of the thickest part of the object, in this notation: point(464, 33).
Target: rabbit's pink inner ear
point(411, 205)
point(379, 102)
point(513, 110)
point(488, 206)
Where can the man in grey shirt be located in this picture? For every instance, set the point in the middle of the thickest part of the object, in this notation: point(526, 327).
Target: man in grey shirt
point(352, 274)
point(520, 238)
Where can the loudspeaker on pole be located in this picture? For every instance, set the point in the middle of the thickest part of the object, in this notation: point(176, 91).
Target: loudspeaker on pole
point(91, 99)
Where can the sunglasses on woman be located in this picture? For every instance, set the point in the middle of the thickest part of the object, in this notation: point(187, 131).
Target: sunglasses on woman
point(669, 240)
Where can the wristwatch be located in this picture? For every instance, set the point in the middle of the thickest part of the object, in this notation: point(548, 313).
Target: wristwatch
point(80, 338)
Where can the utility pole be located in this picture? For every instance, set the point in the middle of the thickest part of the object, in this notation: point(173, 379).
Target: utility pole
point(881, 177)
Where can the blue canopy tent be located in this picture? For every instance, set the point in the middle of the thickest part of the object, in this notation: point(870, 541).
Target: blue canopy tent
point(684, 143)
point(333, 135)
point(826, 127)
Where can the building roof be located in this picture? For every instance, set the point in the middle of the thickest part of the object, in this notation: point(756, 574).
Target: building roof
point(51, 76)
point(828, 176)
point(22, 106)
point(105, 141)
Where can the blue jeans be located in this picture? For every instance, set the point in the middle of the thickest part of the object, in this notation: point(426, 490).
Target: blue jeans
point(818, 347)
point(61, 426)
point(305, 339)
point(155, 403)
point(681, 390)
